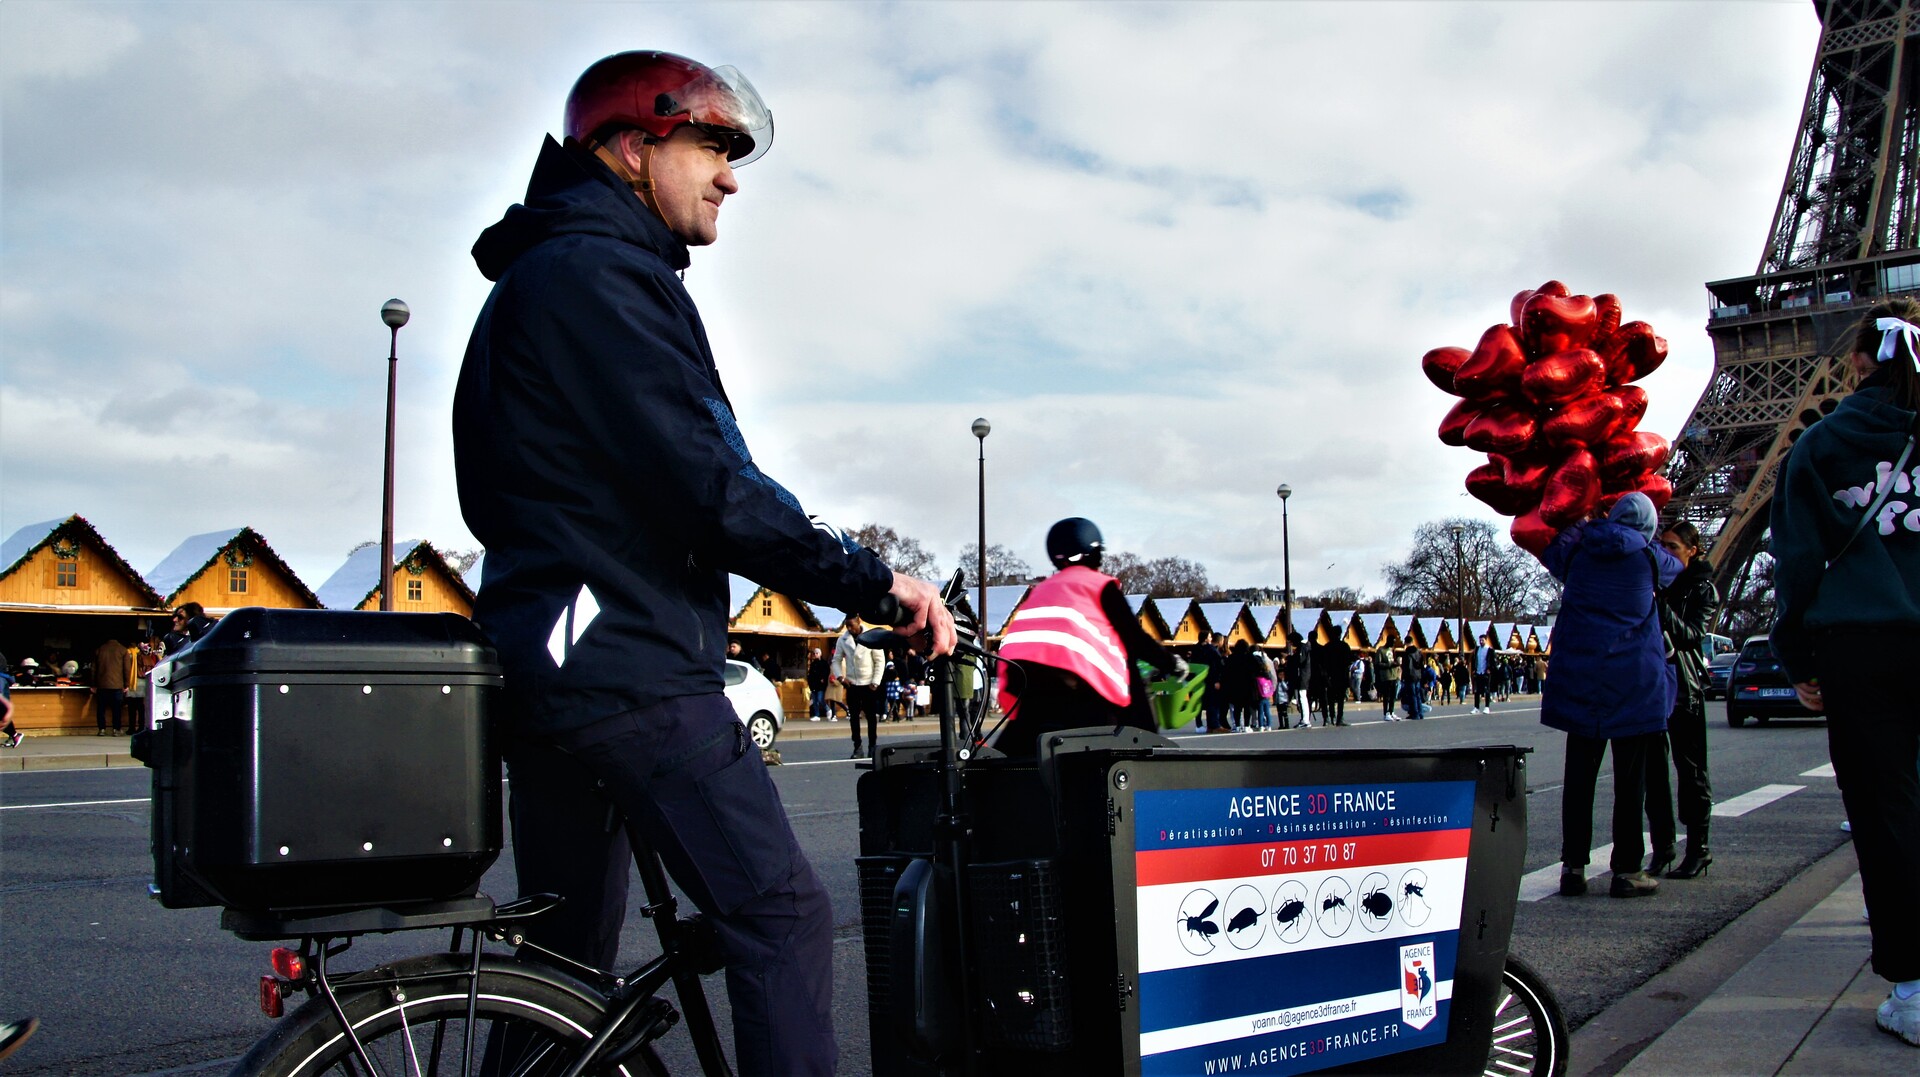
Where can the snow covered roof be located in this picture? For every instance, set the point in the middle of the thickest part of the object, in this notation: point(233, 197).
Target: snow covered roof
point(1172, 611)
point(1264, 618)
point(198, 552)
point(1220, 616)
point(830, 619)
point(1430, 629)
point(1136, 603)
point(26, 541)
point(1307, 620)
point(1002, 600)
point(740, 591)
point(355, 581)
point(1373, 625)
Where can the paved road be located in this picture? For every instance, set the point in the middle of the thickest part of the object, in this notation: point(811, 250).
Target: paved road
point(126, 987)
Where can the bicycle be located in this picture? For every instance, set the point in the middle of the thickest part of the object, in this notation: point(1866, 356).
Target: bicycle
point(964, 957)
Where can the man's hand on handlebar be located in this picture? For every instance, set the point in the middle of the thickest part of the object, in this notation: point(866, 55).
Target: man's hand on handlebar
point(921, 602)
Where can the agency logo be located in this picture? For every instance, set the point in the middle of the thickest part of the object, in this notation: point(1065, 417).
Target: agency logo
point(1417, 1004)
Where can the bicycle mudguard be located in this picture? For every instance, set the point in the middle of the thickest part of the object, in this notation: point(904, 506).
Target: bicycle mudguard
point(926, 1013)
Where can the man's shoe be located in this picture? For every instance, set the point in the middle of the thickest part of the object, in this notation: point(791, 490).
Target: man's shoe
point(857, 753)
point(1573, 882)
point(1634, 884)
point(1901, 1017)
point(15, 1033)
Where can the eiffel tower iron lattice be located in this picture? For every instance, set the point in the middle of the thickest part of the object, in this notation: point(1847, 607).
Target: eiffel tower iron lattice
point(1846, 234)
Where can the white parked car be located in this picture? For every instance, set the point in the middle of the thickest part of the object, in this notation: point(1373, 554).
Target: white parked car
point(756, 701)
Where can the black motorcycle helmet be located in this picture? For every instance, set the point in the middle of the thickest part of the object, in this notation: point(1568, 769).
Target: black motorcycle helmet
point(1074, 541)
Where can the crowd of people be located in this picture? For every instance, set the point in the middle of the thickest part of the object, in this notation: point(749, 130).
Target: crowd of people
point(114, 674)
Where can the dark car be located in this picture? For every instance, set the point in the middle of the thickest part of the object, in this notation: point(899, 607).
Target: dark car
point(1717, 672)
point(1758, 687)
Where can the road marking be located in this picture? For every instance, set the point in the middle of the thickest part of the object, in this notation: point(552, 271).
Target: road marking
point(1545, 882)
point(73, 804)
point(1824, 770)
point(1759, 798)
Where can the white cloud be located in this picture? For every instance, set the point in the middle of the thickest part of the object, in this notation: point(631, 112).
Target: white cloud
point(1177, 253)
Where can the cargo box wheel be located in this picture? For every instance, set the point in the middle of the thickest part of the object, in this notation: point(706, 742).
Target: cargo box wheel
point(762, 729)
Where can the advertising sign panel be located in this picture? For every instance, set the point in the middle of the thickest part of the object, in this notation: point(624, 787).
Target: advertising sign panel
point(1288, 929)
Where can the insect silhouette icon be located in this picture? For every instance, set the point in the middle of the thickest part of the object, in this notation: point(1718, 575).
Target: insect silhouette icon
point(1376, 902)
point(1334, 905)
point(1414, 908)
point(1196, 924)
point(1291, 920)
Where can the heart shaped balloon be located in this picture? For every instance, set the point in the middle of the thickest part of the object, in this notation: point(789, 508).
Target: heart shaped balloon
point(1549, 398)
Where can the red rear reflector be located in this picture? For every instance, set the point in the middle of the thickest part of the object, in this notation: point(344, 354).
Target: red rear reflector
point(271, 996)
point(287, 963)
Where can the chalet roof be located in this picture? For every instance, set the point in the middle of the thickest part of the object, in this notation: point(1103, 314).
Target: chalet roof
point(357, 580)
point(1305, 621)
point(197, 553)
point(1221, 615)
point(1172, 611)
point(1479, 629)
point(1265, 617)
point(740, 591)
point(28, 540)
point(1136, 603)
point(1340, 619)
point(1002, 600)
point(1430, 629)
point(1373, 625)
point(1502, 632)
point(830, 619)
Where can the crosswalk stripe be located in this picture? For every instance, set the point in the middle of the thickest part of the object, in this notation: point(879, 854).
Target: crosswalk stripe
point(1758, 798)
point(1824, 770)
point(1545, 882)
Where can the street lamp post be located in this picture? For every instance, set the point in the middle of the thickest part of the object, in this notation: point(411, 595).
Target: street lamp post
point(1286, 569)
point(1460, 584)
point(395, 314)
point(981, 428)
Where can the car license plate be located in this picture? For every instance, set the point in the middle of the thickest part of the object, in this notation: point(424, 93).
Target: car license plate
point(1776, 693)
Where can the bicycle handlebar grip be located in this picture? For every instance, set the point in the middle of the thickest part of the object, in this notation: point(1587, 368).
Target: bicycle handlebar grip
point(885, 611)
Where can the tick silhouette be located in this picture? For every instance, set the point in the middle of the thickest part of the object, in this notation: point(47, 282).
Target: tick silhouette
point(1377, 903)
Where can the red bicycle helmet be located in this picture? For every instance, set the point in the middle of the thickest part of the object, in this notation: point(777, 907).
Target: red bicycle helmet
point(658, 92)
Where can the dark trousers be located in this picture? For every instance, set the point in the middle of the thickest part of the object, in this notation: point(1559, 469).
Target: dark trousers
point(1333, 703)
point(1215, 704)
point(863, 704)
point(1687, 736)
point(1482, 690)
point(136, 713)
point(685, 778)
point(1873, 736)
point(1389, 696)
point(112, 700)
point(1629, 785)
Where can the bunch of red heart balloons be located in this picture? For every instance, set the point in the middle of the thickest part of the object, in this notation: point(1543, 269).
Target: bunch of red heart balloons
point(1549, 399)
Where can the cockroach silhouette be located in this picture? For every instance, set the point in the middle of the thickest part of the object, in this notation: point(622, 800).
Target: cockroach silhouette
point(1243, 919)
point(1200, 925)
point(1289, 911)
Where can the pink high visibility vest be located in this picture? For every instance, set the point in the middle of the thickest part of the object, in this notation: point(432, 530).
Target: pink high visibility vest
point(1062, 625)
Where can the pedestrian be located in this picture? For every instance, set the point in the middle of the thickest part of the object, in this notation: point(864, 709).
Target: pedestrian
point(861, 670)
point(1268, 682)
point(1485, 668)
point(1686, 612)
point(1243, 686)
point(1415, 674)
point(1078, 649)
point(112, 668)
point(144, 659)
point(769, 668)
point(819, 672)
point(1213, 695)
point(1386, 673)
point(1846, 548)
point(599, 463)
point(1332, 658)
point(10, 737)
point(1359, 676)
point(1609, 685)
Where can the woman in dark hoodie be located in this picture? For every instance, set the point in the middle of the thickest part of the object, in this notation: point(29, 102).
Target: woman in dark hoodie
point(1846, 549)
point(1608, 682)
point(1686, 612)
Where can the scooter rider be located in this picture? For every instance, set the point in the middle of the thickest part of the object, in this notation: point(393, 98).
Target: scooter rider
point(600, 465)
point(1075, 640)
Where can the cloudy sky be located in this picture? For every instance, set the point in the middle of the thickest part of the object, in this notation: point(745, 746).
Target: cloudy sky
point(1177, 254)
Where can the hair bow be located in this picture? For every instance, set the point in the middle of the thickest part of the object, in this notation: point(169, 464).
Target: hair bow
point(1892, 332)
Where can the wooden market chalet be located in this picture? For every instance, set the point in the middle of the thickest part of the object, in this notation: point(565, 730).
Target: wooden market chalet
point(64, 591)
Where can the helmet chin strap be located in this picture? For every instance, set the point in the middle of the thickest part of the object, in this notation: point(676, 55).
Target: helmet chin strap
point(642, 184)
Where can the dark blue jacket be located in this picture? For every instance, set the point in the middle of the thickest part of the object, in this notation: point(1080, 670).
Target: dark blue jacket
point(1829, 480)
point(1607, 672)
point(600, 466)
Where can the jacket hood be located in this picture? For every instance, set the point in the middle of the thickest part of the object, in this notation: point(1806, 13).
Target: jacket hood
point(572, 193)
point(1866, 416)
point(1607, 539)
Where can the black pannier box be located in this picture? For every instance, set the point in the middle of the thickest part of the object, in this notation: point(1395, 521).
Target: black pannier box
point(314, 759)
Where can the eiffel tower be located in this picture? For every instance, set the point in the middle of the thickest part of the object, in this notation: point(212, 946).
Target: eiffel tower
point(1845, 234)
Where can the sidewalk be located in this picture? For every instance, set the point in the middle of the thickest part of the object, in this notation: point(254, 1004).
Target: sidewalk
point(43, 751)
point(1803, 1006)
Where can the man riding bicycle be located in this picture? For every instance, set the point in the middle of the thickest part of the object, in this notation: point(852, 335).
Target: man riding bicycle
point(600, 466)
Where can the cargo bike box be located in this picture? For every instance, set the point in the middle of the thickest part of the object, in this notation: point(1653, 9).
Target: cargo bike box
point(307, 760)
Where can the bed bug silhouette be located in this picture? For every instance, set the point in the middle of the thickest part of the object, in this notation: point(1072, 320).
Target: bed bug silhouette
point(1377, 903)
point(1336, 901)
point(1243, 919)
point(1413, 890)
point(1289, 911)
point(1200, 925)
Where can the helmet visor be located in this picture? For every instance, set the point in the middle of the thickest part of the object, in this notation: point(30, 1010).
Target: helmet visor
point(721, 100)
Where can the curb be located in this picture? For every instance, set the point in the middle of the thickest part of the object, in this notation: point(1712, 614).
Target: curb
point(85, 761)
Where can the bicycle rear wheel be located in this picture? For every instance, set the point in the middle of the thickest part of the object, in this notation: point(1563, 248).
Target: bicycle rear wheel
point(523, 1026)
point(1529, 1032)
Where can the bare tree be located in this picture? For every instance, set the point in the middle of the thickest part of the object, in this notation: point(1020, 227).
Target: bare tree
point(1162, 577)
point(461, 560)
point(1002, 565)
point(1483, 573)
point(902, 553)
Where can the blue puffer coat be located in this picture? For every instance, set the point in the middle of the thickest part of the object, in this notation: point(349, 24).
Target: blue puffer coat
point(1607, 675)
